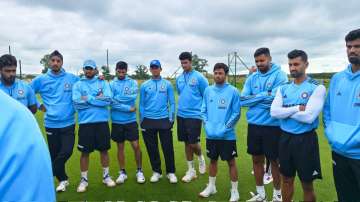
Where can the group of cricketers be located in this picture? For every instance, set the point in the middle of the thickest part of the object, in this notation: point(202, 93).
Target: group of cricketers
point(282, 117)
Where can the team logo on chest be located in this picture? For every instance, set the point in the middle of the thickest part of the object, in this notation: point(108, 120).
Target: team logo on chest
point(269, 85)
point(304, 95)
point(21, 92)
point(193, 82)
point(162, 88)
point(222, 103)
point(126, 90)
point(67, 87)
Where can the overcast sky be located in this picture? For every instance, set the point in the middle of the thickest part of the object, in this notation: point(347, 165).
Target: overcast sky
point(140, 31)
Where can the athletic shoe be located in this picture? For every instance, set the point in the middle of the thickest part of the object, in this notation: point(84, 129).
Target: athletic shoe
point(256, 197)
point(276, 197)
point(62, 186)
point(267, 178)
point(234, 197)
point(82, 186)
point(172, 178)
point(122, 177)
point(155, 177)
point(190, 175)
point(108, 181)
point(209, 190)
point(202, 166)
point(140, 177)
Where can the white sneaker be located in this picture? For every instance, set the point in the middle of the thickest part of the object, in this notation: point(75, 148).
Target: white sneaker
point(122, 177)
point(140, 177)
point(256, 197)
point(202, 166)
point(234, 197)
point(108, 181)
point(267, 178)
point(190, 175)
point(209, 190)
point(155, 177)
point(172, 178)
point(83, 185)
point(276, 198)
point(62, 186)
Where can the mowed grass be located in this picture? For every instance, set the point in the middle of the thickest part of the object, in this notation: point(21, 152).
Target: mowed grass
point(164, 191)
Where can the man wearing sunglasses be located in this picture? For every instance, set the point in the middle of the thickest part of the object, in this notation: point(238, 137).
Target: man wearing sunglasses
point(55, 89)
point(92, 97)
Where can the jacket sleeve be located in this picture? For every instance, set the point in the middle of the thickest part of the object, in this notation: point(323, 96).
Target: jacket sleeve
point(236, 111)
point(203, 84)
point(280, 112)
point(171, 99)
point(142, 103)
point(313, 106)
point(204, 107)
point(76, 97)
point(104, 100)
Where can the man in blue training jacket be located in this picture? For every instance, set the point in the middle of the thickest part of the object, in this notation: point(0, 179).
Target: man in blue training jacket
point(157, 113)
point(263, 130)
point(220, 112)
point(342, 122)
point(25, 165)
point(190, 86)
point(123, 116)
point(16, 89)
point(55, 89)
point(92, 97)
point(298, 104)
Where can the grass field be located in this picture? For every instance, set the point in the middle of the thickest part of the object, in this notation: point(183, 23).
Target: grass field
point(164, 191)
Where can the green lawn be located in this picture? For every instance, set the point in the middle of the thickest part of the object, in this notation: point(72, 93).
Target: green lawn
point(164, 191)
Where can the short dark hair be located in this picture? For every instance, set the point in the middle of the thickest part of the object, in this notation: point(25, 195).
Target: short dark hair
point(221, 66)
point(185, 56)
point(262, 51)
point(353, 35)
point(298, 53)
point(57, 54)
point(7, 60)
point(121, 65)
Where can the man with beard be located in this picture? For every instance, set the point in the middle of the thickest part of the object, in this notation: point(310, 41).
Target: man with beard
point(55, 89)
point(342, 122)
point(263, 130)
point(221, 111)
point(297, 104)
point(92, 97)
point(16, 89)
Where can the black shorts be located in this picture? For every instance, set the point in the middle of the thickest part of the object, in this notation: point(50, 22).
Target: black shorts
point(300, 153)
point(188, 130)
point(94, 136)
point(158, 124)
point(263, 140)
point(226, 149)
point(122, 132)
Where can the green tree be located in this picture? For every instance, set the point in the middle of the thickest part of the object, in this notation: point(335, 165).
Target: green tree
point(106, 72)
point(45, 62)
point(198, 63)
point(141, 72)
